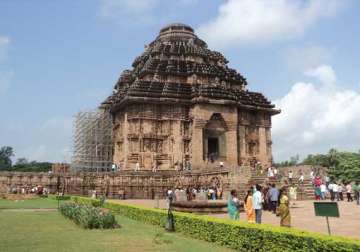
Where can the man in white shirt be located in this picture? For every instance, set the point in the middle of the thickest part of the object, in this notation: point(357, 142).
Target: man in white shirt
point(331, 190)
point(335, 188)
point(270, 172)
point(301, 178)
point(348, 192)
point(323, 191)
point(257, 203)
point(290, 176)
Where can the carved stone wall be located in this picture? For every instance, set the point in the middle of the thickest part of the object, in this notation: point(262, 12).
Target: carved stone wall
point(132, 184)
point(156, 134)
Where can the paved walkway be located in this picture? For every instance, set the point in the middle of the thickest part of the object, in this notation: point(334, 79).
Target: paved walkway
point(302, 217)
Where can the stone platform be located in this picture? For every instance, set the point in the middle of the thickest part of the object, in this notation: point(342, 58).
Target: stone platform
point(201, 207)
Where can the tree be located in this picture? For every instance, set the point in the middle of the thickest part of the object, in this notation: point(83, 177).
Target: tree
point(343, 166)
point(6, 152)
point(21, 161)
point(295, 159)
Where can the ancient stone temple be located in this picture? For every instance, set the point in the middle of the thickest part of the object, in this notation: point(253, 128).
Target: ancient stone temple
point(182, 106)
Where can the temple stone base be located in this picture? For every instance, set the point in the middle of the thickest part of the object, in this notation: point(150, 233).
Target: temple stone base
point(120, 185)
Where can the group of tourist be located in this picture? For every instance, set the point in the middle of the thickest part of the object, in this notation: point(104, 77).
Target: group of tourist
point(192, 193)
point(255, 201)
point(335, 191)
point(40, 190)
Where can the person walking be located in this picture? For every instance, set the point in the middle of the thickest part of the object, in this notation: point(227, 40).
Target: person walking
point(257, 203)
point(250, 212)
point(349, 192)
point(290, 176)
point(312, 177)
point(356, 189)
point(284, 210)
point(317, 184)
point(276, 175)
point(340, 191)
point(273, 197)
point(301, 178)
point(293, 194)
point(233, 205)
point(323, 191)
point(270, 172)
point(331, 190)
point(335, 189)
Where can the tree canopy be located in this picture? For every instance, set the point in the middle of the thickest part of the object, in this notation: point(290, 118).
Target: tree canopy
point(341, 165)
point(6, 152)
point(22, 164)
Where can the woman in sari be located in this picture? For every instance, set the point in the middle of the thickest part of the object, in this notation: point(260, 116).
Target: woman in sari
point(250, 212)
point(317, 188)
point(233, 205)
point(283, 209)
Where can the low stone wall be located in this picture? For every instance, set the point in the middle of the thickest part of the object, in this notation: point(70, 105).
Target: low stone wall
point(125, 184)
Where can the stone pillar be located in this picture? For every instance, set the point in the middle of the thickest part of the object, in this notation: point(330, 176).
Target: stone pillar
point(231, 148)
point(197, 148)
point(178, 141)
point(242, 142)
point(262, 147)
point(126, 142)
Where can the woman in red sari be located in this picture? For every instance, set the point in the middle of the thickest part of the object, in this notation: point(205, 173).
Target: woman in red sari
point(317, 184)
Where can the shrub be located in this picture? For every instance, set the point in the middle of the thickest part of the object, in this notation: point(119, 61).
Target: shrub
point(63, 197)
point(88, 216)
point(237, 235)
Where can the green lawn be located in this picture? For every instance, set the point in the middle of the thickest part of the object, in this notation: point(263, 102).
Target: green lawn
point(35, 203)
point(50, 231)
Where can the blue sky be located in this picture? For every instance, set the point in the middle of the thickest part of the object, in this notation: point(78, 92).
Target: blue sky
point(59, 57)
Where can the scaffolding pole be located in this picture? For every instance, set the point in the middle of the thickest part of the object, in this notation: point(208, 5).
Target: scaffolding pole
point(92, 141)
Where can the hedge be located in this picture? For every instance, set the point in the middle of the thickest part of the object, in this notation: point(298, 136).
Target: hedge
point(88, 216)
point(63, 197)
point(235, 234)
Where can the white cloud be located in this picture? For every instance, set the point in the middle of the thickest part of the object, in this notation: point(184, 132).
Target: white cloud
point(306, 56)
point(324, 73)
point(261, 21)
point(4, 45)
point(315, 118)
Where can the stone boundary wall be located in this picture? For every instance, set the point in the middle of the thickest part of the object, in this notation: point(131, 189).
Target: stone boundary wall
point(127, 184)
point(306, 169)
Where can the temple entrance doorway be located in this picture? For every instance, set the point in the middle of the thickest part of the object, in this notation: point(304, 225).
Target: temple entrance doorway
point(214, 143)
point(213, 148)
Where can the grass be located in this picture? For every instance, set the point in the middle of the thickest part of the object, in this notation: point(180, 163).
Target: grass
point(50, 231)
point(36, 203)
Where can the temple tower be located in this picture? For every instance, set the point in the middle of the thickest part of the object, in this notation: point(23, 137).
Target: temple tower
point(181, 104)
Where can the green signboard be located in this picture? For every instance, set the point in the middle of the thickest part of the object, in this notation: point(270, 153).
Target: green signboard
point(326, 209)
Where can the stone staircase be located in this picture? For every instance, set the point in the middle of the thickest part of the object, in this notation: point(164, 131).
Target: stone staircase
point(242, 180)
point(239, 181)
